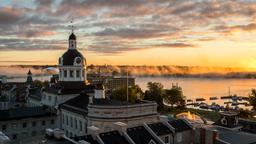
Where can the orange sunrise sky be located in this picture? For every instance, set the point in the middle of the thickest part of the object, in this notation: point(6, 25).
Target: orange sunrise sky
point(130, 32)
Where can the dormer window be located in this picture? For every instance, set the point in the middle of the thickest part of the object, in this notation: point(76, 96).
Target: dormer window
point(151, 142)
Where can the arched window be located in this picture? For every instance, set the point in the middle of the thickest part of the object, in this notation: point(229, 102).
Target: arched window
point(71, 73)
point(77, 73)
point(65, 73)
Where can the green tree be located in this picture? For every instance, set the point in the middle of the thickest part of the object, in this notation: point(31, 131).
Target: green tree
point(155, 93)
point(134, 93)
point(252, 99)
point(174, 96)
point(38, 83)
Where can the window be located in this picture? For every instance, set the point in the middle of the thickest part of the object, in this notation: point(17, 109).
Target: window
point(71, 121)
point(78, 73)
point(43, 122)
point(65, 73)
point(14, 136)
point(63, 118)
point(71, 134)
point(33, 123)
point(52, 121)
point(179, 137)
point(66, 119)
point(75, 123)
point(4, 127)
point(71, 74)
point(85, 127)
point(24, 125)
point(49, 98)
point(166, 140)
point(80, 125)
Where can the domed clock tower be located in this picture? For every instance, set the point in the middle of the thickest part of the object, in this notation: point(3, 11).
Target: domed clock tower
point(72, 77)
point(72, 64)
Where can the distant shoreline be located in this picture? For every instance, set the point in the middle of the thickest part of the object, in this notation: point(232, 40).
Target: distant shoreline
point(144, 71)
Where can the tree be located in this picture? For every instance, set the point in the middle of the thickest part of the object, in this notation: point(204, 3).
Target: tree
point(174, 96)
point(155, 93)
point(134, 93)
point(38, 83)
point(252, 99)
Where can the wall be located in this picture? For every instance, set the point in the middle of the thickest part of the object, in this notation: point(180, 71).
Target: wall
point(76, 125)
point(133, 115)
point(14, 128)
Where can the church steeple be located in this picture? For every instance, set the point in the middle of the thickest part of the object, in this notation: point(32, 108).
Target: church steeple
point(29, 81)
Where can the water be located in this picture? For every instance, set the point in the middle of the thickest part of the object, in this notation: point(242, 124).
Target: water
point(204, 87)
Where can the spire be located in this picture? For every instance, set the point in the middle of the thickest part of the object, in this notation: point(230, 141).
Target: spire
point(29, 80)
point(29, 72)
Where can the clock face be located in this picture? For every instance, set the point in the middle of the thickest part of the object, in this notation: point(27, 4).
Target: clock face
point(78, 60)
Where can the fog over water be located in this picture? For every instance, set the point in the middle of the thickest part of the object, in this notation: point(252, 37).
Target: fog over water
point(192, 87)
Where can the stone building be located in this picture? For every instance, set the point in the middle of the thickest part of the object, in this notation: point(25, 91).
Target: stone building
point(83, 111)
point(26, 124)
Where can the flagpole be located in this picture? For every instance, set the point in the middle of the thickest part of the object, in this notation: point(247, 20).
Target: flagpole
point(127, 96)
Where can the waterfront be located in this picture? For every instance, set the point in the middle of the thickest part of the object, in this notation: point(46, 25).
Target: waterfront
point(204, 87)
point(193, 87)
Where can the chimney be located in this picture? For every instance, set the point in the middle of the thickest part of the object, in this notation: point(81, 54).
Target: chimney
point(94, 131)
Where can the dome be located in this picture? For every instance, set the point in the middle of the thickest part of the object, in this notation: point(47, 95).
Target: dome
point(72, 37)
point(72, 55)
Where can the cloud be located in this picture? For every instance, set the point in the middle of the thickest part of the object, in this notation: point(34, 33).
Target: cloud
point(28, 44)
point(116, 47)
point(114, 26)
point(231, 29)
point(9, 15)
point(135, 33)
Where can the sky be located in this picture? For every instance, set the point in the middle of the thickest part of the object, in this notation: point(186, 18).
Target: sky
point(208, 33)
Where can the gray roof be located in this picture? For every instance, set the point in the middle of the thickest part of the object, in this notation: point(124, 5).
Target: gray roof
point(160, 129)
point(236, 137)
point(24, 112)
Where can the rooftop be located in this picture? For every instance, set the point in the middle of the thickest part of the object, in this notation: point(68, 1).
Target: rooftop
point(23, 112)
point(160, 129)
point(236, 137)
point(78, 104)
point(140, 135)
point(113, 137)
point(87, 138)
point(179, 125)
